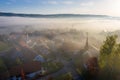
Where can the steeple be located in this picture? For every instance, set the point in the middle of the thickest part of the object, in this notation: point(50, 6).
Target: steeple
point(86, 45)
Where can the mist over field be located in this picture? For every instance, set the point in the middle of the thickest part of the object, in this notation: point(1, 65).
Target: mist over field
point(87, 24)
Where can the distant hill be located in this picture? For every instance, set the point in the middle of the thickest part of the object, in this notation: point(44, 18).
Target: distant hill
point(53, 15)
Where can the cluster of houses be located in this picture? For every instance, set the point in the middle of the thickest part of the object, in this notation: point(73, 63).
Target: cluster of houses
point(26, 71)
point(33, 70)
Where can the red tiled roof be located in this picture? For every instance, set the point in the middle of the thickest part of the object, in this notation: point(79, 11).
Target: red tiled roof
point(27, 68)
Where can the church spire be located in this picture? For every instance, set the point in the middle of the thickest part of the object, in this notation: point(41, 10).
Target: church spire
point(86, 45)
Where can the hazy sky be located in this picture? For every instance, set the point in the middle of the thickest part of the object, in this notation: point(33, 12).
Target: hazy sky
point(107, 7)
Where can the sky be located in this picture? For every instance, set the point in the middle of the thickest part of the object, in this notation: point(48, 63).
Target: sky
point(101, 7)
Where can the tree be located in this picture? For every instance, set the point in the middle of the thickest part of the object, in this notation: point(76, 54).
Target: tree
point(68, 76)
point(3, 67)
point(108, 45)
point(109, 59)
point(18, 61)
point(106, 49)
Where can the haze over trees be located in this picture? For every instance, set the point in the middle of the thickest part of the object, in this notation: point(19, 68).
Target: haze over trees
point(109, 59)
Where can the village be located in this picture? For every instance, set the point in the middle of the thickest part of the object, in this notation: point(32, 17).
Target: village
point(46, 55)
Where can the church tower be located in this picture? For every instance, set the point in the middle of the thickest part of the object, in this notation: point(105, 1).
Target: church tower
point(86, 45)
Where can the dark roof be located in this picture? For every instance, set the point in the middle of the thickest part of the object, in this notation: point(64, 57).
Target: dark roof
point(29, 67)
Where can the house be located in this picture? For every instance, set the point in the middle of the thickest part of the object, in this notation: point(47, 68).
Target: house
point(39, 58)
point(92, 69)
point(29, 70)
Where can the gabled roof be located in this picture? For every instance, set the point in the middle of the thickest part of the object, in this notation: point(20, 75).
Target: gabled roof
point(29, 67)
point(39, 58)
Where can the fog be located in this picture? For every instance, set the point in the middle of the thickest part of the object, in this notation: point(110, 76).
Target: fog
point(8, 24)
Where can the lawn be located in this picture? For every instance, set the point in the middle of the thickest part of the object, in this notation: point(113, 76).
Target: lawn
point(66, 76)
point(52, 66)
point(3, 46)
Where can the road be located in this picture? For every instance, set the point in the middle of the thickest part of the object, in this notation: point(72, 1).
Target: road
point(68, 68)
point(94, 48)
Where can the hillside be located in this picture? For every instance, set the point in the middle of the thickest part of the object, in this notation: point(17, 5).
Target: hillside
point(53, 15)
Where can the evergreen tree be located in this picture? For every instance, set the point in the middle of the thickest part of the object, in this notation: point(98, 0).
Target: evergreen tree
point(109, 59)
point(106, 50)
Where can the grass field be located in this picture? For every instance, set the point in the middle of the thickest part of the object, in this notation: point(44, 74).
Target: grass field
point(52, 66)
point(3, 46)
point(66, 76)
